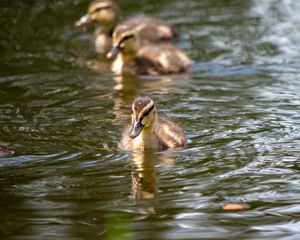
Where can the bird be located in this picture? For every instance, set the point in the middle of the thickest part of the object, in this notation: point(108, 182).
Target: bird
point(3, 149)
point(150, 59)
point(149, 131)
point(106, 13)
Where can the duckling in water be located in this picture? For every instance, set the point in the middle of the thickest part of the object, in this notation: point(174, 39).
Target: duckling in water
point(151, 59)
point(148, 131)
point(3, 149)
point(106, 13)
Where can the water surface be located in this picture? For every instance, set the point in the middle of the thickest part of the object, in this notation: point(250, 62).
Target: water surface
point(239, 106)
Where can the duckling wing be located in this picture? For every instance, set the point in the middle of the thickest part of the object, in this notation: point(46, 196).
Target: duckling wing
point(162, 59)
point(151, 30)
point(169, 133)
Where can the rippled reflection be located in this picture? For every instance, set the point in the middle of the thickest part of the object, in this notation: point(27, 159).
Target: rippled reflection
point(144, 180)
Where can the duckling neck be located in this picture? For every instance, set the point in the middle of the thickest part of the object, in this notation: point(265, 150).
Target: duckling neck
point(106, 29)
point(103, 43)
point(146, 140)
point(124, 62)
point(128, 57)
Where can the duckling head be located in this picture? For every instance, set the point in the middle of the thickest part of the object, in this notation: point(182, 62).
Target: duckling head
point(125, 40)
point(143, 116)
point(105, 12)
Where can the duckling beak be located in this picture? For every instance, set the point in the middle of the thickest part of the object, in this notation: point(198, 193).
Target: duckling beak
point(84, 21)
point(136, 129)
point(113, 51)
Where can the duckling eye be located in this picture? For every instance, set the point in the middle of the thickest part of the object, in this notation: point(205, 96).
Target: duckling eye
point(147, 113)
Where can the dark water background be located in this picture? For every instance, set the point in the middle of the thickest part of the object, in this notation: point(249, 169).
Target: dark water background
point(239, 106)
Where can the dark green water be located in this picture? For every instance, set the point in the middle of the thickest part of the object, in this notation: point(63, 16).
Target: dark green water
point(239, 106)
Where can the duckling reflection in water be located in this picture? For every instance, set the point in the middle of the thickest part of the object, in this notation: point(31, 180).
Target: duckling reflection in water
point(151, 59)
point(148, 131)
point(106, 13)
point(144, 177)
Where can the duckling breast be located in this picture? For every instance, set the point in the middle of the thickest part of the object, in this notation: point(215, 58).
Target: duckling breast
point(117, 65)
point(103, 43)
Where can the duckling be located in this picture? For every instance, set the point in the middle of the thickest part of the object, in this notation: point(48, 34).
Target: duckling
point(151, 59)
point(3, 149)
point(148, 131)
point(106, 13)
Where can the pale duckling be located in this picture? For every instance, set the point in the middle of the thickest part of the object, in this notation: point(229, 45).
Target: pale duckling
point(151, 59)
point(106, 14)
point(148, 131)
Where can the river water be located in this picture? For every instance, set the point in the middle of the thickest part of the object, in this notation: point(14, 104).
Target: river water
point(62, 113)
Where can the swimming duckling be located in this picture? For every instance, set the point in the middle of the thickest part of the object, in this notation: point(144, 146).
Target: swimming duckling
point(3, 149)
point(149, 131)
point(106, 13)
point(152, 59)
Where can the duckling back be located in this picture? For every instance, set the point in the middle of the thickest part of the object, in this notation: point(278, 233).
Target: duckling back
point(151, 30)
point(161, 59)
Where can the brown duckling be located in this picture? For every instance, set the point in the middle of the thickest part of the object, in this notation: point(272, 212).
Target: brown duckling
point(3, 149)
point(152, 59)
point(106, 14)
point(148, 131)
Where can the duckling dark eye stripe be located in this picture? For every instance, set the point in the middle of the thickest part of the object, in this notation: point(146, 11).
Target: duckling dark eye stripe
point(145, 108)
point(102, 8)
point(148, 111)
point(106, 7)
point(126, 38)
